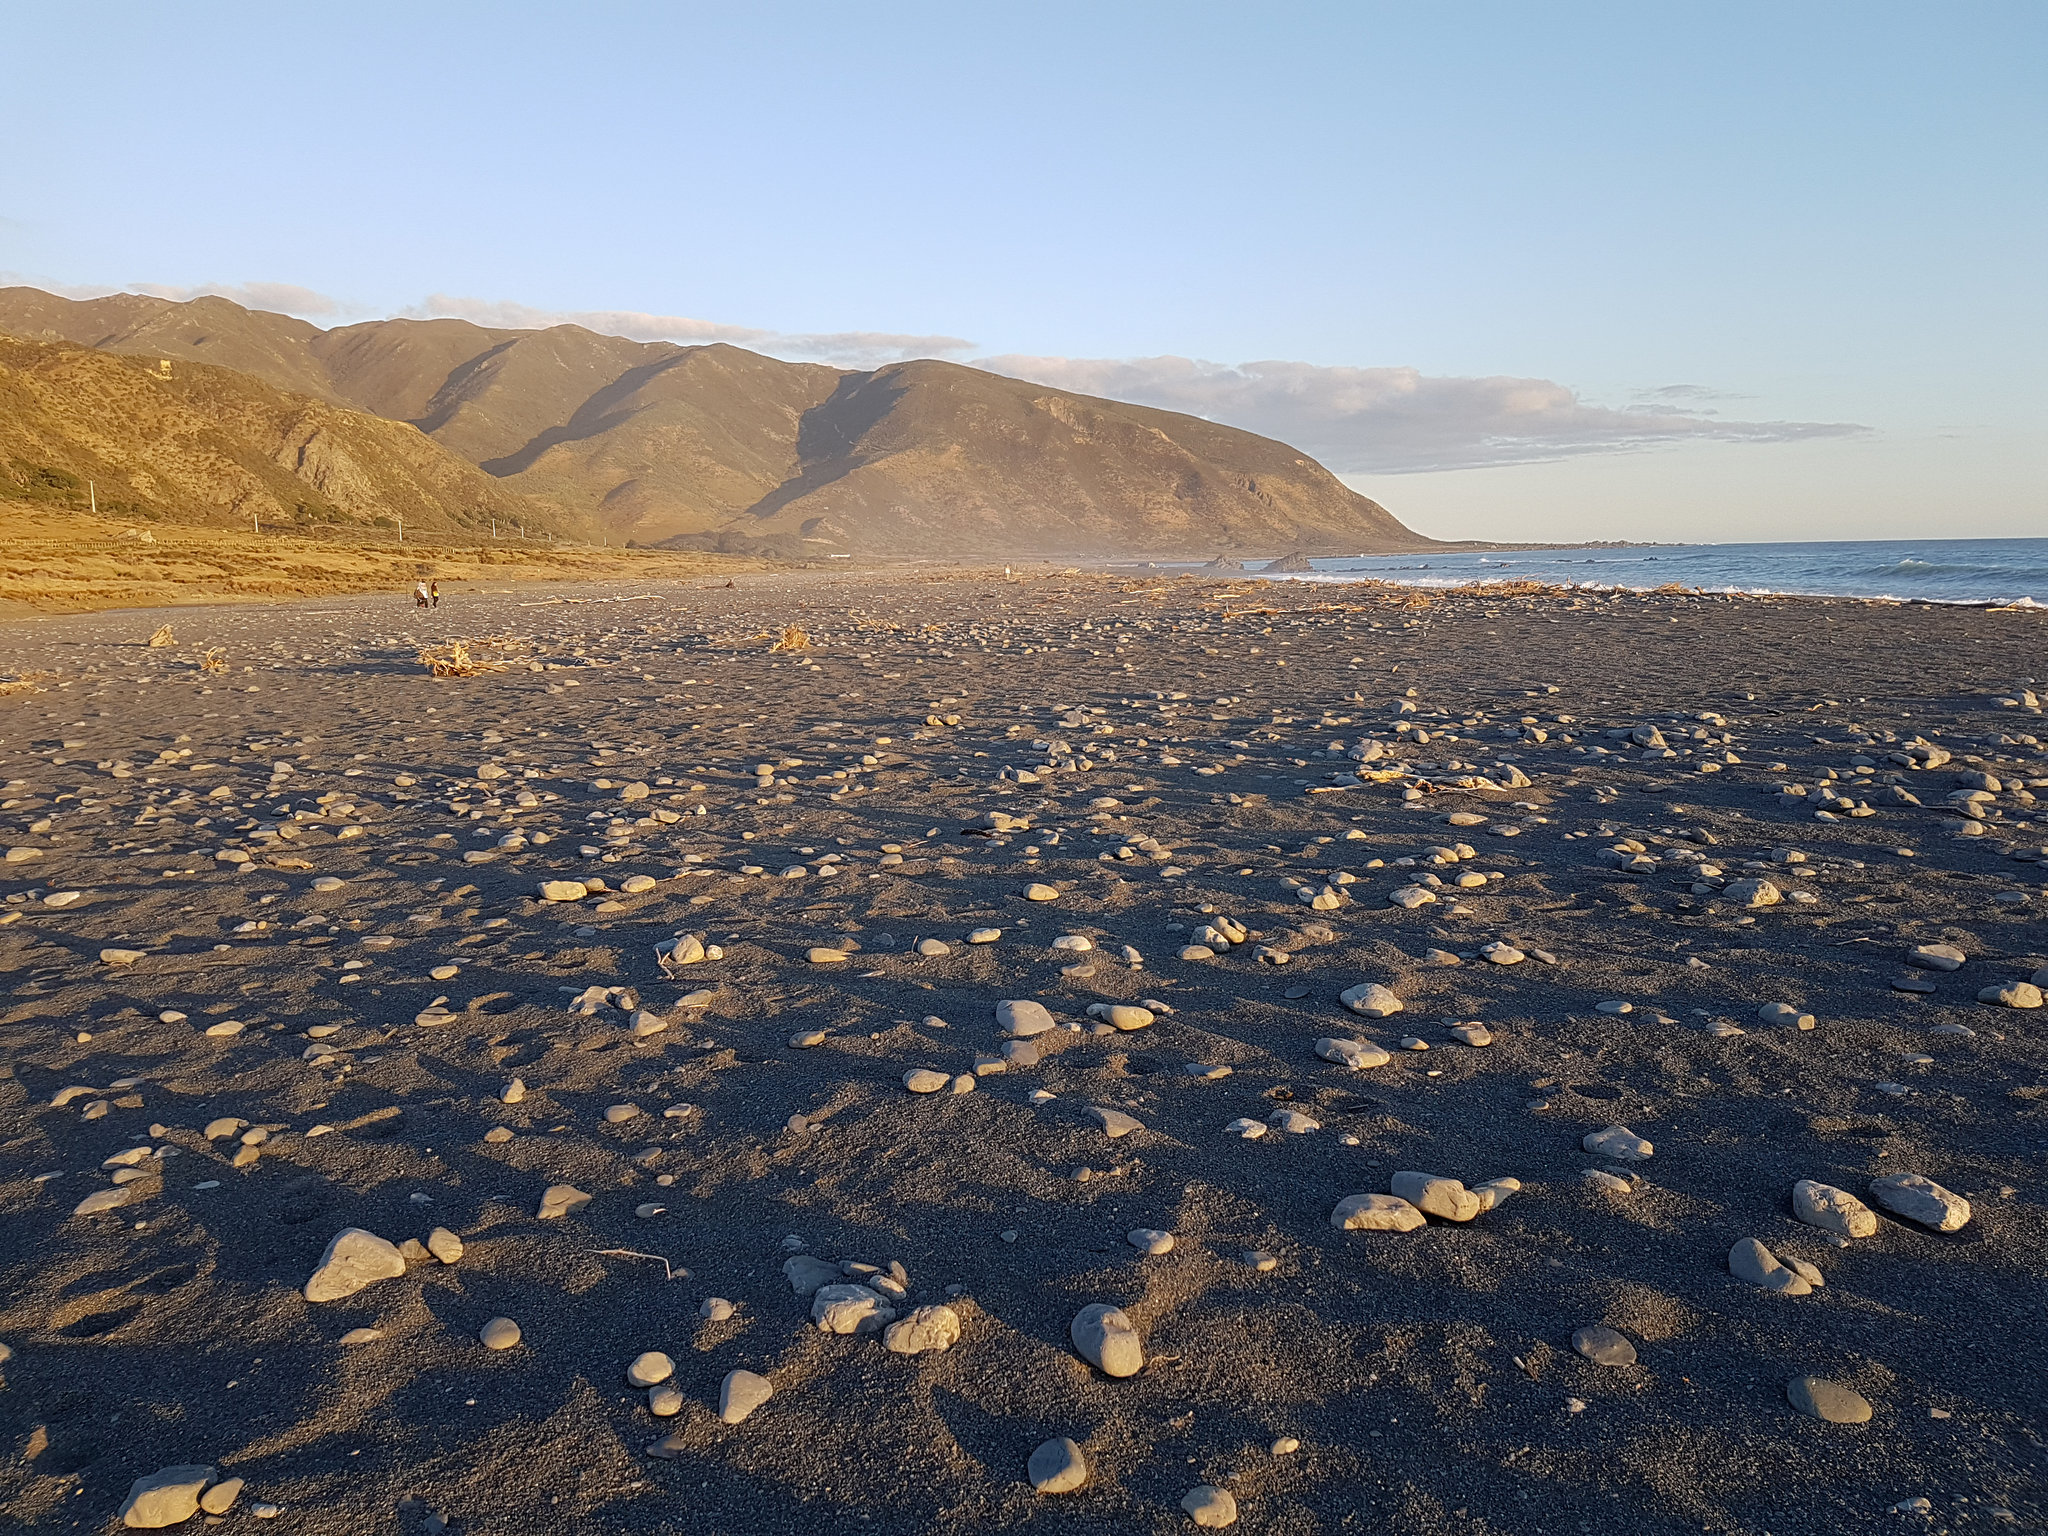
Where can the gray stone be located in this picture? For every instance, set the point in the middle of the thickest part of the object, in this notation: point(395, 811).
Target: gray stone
point(2011, 994)
point(650, 1369)
point(1603, 1345)
point(1918, 1198)
point(846, 1308)
point(1021, 1018)
point(1435, 1195)
point(1057, 1466)
point(1115, 1122)
point(740, 1394)
point(1830, 1401)
point(805, 1274)
point(928, 1330)
point(1618, 1142)
point(220, 1498)
point(1832, 1210)
point(1370, 1000)
point(1750, 1260)
point(1376, 1213)
point(169, 1496)
point(1355, 1054)
point(354, 1259)
point(1210, 1507)
point(444, 1245)
point(499, 1333)
point(1107, 1340)
point(559, 1200)
point(1752, 893)
point(1936, 957)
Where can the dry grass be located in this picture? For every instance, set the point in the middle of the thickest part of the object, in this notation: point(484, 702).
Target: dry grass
point(162, 638)
point(70, 562)
point(24, 682)
point(213, 659)
point(793, 639)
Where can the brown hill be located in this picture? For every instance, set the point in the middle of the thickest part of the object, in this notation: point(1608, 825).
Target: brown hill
point(211, 445)
point(718, 447)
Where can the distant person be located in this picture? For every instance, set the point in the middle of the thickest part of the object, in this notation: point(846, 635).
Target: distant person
point(434, 592)
point(419, 596)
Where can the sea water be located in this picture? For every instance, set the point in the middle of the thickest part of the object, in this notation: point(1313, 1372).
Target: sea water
point(1991, 571)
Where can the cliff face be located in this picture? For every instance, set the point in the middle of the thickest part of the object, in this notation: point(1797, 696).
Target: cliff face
point(720, 447)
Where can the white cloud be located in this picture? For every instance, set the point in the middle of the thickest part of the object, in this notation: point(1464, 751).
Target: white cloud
point(1397, 420)
point(851, 349)
point(282, 298)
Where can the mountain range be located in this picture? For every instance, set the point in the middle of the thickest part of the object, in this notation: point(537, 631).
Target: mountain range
point(595, 436)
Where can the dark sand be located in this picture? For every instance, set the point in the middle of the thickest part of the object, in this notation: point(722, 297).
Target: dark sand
point(1428, 1376)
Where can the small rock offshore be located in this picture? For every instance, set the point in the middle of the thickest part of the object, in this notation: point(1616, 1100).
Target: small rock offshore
point(1110, 1050)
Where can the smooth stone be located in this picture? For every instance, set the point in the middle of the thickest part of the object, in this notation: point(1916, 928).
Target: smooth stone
point(804, 1039)
point(103, 1200)
point(925, 1080)
point(1021, 1018)
point(1829, 1401)
point(1435, 1195)
point(353, 1259)
point(650, 1369)
point(1248, 1128)
point(562, 890)
point(849, 1308)
point(1750, 1260)
point(1502, 954)
point(1618, 1142)
point(1127, 1017)
point(1606, 1183)
point(2011, 994)
point(932, 948)
point(220, 1498)
point(715, 1309)
point(1918, 1198)
point(1603, 1345)
point(1936, 957)
point(1784, 1013)
point(820, 955)
point(619, 1114)
point(1494, 1191)
point(1037, 892)
point(984, 935)
point(740, 1394)
point(1210, 1507)
point(1150, 1240)
point(1355, 1054)
point(928, 1330)
point(1115, 1122)
point(1832, 1210)
point(1471, 1034)
point(805, 1274)
point(357, 1336)
point(1376, 1213)
point(1752, 893)
point(559, 1200)
point(1057, 1466)
point(166, 1497)
point(1370, 1000)
point(444, 1245)
point(1107, 1340)
point(664, 1402)
point(120, 956)
point(499, 1333)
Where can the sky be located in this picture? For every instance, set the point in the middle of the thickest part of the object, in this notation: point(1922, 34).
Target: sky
point(1683, 271)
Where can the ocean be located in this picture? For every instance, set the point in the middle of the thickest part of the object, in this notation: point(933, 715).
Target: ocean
point(1979, 571)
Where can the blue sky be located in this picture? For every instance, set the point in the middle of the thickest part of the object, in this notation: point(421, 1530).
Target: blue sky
point(1541, 271)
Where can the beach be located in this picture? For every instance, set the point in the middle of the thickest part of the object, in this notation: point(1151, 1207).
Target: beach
point(616, 953)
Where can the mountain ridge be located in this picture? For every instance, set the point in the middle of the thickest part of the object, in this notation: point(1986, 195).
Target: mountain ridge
point(717, 447)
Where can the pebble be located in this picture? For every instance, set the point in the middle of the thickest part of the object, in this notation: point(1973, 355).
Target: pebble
point(664, 1402)
point(848, 1308)
point(1606, 1183)
point(103, 1200)
point(1114, 1122)
point(806, 1274)
point(1471, 1034)
point(1355, 1054)
point(353, 1259)
point(166, 1497)
point(361, 1336)
point(1619, 1142)
point(1210, 1507)
point(820, 955)
point(928, 1330)
point(740, 1394)
point(1371, 1000)
point(1039, 892)
point(1376, 1213)
point(1150, 1240)
point(714, 1309)
point(1057, 1466)
point(984, 935)
point(1832, 1210)
point(2011, 994)
point(1918, 1198)
point(650, 1369)
point(1435, 1195)
point(1752, 893)
point(499, 1333)
point(1784, 1013)
point(220, 1498)
point(1604, 1346)
point(444, 1245)
point(1936, 957)
point(1750, 1260)
point(1107, 1340)
point(619, 1114)
point(1248, 1128)
point(1829, 1401)
point(804, 1039)
point(925, 1080)
point(560, 1200)
point(1021, 1018)
point(1502, 954)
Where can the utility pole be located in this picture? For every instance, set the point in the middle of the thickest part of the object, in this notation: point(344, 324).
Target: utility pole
point(254, 525)
point(401, 527)
point(92, 490)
